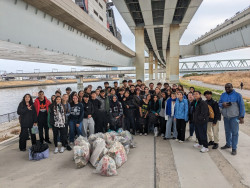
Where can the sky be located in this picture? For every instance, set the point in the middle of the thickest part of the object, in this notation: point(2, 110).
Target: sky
point(209, 15)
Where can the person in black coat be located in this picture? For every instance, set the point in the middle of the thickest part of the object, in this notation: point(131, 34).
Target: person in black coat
point(28, 118)
point(200, 119)
point(129, 112)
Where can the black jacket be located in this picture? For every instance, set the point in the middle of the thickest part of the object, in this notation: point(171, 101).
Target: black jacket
point(137, 101)
point(190, 112)
point(216, 109)
point(27, 117)
point(88, 109)
point(200, 112)
point(96, 104)
point(128, 111)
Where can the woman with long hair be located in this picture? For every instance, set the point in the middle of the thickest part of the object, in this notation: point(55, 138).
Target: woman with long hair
point(153, 119)
point(75, 118)
point(56, 120)
point(28, 118)
point(157, 92)
point(80, 95)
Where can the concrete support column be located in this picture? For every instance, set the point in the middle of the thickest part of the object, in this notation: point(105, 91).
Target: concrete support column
point(121, 78)
point(151, 62)
point(139, 53)
point(167, 65)
point(80, 82)
point(174, 53)
point(156, 68)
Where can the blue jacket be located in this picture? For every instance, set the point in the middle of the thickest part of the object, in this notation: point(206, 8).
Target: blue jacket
point(181, 109)
point(237, 109)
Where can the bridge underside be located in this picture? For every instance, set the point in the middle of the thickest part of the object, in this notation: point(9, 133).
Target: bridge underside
point(30, 34)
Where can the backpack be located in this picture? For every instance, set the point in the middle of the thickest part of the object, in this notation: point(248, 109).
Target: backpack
point(211, 112)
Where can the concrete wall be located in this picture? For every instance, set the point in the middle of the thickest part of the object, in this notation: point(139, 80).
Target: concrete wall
point(99, 6)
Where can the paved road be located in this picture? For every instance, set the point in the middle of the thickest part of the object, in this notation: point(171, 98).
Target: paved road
point(244, 93)
point(177, 165)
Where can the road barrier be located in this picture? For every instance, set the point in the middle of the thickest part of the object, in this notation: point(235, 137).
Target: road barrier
point(8, 117)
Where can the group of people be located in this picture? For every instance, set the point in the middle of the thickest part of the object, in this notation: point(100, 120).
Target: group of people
point(164, 110)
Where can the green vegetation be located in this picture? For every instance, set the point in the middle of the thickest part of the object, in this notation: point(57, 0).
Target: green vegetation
point(216, 93)
point(194, 74)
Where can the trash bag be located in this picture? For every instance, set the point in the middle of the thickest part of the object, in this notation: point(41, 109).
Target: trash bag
point(80, 141)
point(118, 153)
point(38, 148)
point(109, 139)
point(106, 166)
point(81, 154)
point(99, 150)
point(38, 155)
point(93, 137)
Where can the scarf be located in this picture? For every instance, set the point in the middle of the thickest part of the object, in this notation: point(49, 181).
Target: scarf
point(59, 116)
point(169, 106)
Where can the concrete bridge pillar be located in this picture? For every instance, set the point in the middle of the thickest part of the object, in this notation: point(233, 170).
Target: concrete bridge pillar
point(156, 68)
point(167, 65)
point(150, 68)
point(139, 53)
point(174, 54)
point(80, 83)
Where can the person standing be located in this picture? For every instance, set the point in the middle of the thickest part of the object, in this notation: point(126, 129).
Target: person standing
point(213, 124)
point(144, 111)
point(116, 114)
point(163, 122)
point(233, 111)
point(96, 115)
point(103, 111)
point(56, 121)
point(66, 104)
point(153, 119)
point(169, 116)
point(41, 105)
point(28, 118)
point(75, 119)
point(190, 116)
point(88, 122)
point(241, 85)
point(200, 119)
point(129, 113)
point(181, 116)
point(137, 102)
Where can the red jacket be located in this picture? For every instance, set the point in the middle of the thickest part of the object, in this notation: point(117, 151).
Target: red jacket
point(37, 105)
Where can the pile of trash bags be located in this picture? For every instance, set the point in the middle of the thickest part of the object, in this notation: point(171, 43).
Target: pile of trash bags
point(106, 152)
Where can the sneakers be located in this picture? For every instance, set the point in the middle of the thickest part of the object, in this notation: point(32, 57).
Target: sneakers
point(210, 143)
point(56, 150)
point(234, 152)
point(215, 146)
point(180, 141)
point(204, 150)
point(62, 150)
point(190, 138)
point(140, 134)
point(225, 147)
point(145, 134)
point(198, 146)
point(176, 140)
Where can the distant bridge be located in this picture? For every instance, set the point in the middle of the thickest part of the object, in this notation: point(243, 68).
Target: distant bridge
point(185, 67)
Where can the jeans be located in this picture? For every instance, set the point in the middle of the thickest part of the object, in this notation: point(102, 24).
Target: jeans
point(88, 123)
point(201, 134)
point(130, 122)
point(171, 121)
point(181, 129)
point(232, 131)
point(72, 128)
point(191, 129)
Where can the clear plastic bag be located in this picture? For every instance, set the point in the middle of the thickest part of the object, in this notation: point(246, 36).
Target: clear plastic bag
point(106, 166)
point(99, 150)
point(80, 141)
point(81, 153)
point(34, 130)
point(118, 153)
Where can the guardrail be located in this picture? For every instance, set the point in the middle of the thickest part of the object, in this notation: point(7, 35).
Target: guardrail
point(8, 117)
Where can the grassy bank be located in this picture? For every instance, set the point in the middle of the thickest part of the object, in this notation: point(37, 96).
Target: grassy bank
point(227, 77)
point(216, 93)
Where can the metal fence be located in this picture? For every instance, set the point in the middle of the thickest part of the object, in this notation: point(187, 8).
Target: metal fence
point(8, 117)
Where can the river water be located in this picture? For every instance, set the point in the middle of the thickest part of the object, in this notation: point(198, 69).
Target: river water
point(11, 97)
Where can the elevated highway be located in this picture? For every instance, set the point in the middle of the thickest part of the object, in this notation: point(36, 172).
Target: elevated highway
point(59, 32)
point(230, 35)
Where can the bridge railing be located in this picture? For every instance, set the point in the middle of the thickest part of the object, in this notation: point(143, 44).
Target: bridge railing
point(8, 117)
point(215, 64)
